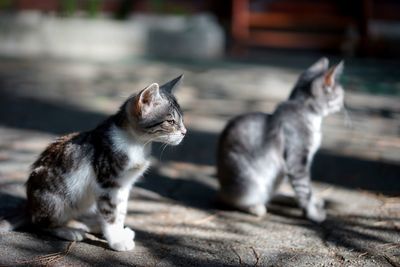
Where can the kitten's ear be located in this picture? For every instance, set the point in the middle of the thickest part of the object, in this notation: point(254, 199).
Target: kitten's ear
point(319, 66)
point(172, 85)
point(333, 74)
point(146, 99)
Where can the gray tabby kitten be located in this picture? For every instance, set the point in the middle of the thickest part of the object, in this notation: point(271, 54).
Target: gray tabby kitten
point(256, 151)
point(92, 172)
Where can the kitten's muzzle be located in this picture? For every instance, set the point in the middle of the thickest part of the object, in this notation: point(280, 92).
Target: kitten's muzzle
point(176, 141)
point(183, 131)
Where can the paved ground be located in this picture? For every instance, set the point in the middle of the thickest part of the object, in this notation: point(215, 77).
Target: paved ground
point(172, 208)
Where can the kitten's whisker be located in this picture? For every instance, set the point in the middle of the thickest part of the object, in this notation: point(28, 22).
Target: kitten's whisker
point(347, 119)
point(163, 148)
point(152, 139)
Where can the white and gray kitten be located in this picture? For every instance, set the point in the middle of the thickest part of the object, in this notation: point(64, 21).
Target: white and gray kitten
point(92, 172)
point(257, 150)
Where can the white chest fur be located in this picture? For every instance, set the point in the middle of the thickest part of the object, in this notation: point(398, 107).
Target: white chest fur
point(138, 155)
point(314, 123)
point(315, 142)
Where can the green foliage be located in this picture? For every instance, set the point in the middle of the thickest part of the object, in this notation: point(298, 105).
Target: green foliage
point(162, 6)
point(5, 4)
point(68, 7)
point(93, 8)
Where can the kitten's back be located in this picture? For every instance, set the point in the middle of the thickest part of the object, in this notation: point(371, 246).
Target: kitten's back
point(250, 154)
point(245, 136)
point(245, 130)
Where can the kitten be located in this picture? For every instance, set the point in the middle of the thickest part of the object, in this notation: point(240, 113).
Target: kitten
point(256, 151)
point(92, 172)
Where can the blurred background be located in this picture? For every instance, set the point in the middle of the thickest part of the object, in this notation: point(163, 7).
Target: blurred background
point(126, 27)
point(65, 65)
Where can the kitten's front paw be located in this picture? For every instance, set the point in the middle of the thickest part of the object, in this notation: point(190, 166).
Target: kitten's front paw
point(316, 211)
point(124, 245)
point(123, 241)
point(129, 233)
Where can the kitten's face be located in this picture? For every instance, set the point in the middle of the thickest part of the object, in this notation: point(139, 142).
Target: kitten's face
point(164, 123)
point(157, 115)
point(328, 96)
point(319, 86)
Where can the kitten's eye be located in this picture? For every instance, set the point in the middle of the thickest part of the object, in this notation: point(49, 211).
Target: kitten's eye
point(171, 121)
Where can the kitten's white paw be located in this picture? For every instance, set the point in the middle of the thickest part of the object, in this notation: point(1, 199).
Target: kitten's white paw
point(257, 210)
point(124, 245)
point(123, 240)
point(129, 233)
point(315, 211)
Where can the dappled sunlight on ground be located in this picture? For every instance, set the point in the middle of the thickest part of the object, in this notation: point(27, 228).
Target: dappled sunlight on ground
point(173, 208)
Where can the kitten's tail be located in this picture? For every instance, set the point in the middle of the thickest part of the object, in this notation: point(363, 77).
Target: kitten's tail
point(14, 219)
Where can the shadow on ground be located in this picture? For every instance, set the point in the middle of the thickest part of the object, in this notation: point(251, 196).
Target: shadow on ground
point(198, 147)
point(349, 232)
point(22, 112)
point(350, 172)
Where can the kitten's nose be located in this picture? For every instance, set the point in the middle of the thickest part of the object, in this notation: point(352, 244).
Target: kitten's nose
point(183, 131)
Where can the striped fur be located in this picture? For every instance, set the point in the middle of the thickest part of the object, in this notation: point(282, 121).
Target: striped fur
point(93, 171)
point(256, 151)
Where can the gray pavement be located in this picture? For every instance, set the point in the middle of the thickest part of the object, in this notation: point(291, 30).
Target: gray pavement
point(172, 208)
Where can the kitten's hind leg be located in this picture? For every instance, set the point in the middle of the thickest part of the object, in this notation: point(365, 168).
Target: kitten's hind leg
point(258, 210)
point(51, 215)
point(249, 198)
point(67, 233)
point(77, 230)
point(90, 221)
point(260, 193)
point(71, 230)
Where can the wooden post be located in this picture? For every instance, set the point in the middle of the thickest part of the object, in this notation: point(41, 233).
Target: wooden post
point(240, 25)
point(367, 8)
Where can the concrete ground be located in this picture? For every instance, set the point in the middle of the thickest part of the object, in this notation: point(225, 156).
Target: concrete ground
point(172, 208)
